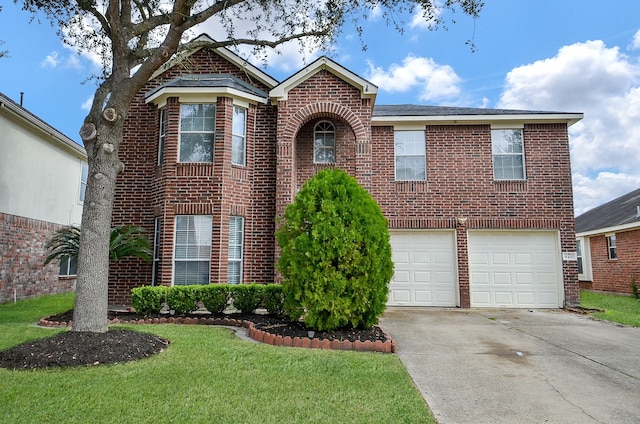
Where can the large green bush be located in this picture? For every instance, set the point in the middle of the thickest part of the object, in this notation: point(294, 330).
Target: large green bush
point(336, 256)
point(246, 297)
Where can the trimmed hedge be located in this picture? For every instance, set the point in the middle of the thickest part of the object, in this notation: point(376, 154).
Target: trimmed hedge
point(215, 297)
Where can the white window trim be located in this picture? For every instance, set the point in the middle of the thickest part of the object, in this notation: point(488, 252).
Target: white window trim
point(395, 154)
point(83, 183)
point(175, 234)
point(608, 238)
point(162, 136)
point(586, 259)
point(243, 136)
point(493, 155)
point(241, 258)
point(157, 227)
point(323, 147)
point(180, 132)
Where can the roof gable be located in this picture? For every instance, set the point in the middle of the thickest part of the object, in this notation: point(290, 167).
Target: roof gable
point(620, 212)
point(39, 126)
point(281, 91)
point(227, 54)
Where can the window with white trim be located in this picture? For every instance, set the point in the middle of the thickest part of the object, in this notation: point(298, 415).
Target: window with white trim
point(580, 257)
point(84, 177)
point(508, 154)
point(162, 136)
point(410, 156)
point(239, 136)
point(197, 126)
point(236, 249)
point(68, 266)
point(155, 275)
point(192, 249)
point(324, 143)
point(612, 247)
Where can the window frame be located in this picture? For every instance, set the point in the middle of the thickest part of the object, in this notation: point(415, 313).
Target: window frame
point(495, 155)
point(208, 230)
point(202, 131)
point(235, 247)
point(157, 230)
point(324, 147)
point(84, 178)
point(239, 136)
point(612, 247)
point(421, 153)
point(67, 264)
point(162, 135)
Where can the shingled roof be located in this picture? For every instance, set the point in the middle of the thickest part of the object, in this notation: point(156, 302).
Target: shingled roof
point(424, 110)
point(620, 211)
point(207, 81)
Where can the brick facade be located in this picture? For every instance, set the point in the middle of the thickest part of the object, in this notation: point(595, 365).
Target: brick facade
point(614, 275)
point(22, 271)
point(459, 181)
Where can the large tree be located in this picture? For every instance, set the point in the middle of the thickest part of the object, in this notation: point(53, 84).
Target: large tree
point(136, 37)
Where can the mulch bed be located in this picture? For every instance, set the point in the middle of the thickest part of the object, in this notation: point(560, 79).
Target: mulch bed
point(82, 348)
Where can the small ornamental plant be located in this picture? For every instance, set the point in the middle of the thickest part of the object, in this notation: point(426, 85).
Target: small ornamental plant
point(335, 254)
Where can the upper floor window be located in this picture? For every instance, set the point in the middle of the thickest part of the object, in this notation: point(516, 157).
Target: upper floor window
point(84, 176)
point(192, 249)
point(410, 155)
point(239, 138)
point(163, 135)
point(324, 143)
point(611, 246)
point(236, 249)
point(508, 154)
point(197, 126)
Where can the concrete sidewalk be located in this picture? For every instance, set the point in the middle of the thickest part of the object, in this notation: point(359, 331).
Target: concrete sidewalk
point(519, 366)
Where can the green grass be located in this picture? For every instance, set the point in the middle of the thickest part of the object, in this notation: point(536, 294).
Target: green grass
point(207, 374)
point(621, 309)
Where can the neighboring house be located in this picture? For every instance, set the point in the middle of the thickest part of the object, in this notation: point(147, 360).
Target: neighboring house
point(42, 178)
point(608, 243)
point(479, 201)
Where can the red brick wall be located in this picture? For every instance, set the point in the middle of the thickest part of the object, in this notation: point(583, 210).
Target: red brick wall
point(460, 183)
point(614, 275)
point(22, 255)
point(146, 191)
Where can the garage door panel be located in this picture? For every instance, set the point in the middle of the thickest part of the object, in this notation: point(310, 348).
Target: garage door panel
point(523, 270)
point(425, 268)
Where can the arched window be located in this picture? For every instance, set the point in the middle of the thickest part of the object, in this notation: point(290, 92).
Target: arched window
point(324, 143)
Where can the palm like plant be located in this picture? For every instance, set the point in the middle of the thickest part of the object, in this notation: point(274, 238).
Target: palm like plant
point(125, 240)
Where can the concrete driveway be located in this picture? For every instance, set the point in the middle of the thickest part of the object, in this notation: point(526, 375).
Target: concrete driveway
point(519, 366)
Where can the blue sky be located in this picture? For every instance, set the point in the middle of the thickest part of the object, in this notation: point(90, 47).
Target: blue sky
point(565, 55)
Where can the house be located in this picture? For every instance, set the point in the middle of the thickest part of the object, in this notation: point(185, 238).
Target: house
point(479, 201)
point(42, 179)
point(608, 245)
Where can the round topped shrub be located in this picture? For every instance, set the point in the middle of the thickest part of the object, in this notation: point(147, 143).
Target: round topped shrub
point(336, 257)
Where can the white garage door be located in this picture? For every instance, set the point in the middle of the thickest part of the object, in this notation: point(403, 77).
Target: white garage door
point(515, 269)
point(425, 269)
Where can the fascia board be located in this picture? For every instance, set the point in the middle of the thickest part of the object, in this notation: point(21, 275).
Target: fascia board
point(568, 118)
point(160, 97)
point(44, 129)
point(280, 92)
point(615, 229)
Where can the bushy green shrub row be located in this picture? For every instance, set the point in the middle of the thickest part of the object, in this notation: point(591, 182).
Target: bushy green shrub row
point(215, 297)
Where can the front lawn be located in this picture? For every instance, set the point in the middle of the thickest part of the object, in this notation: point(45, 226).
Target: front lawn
point(207, 374)
point(617, 308)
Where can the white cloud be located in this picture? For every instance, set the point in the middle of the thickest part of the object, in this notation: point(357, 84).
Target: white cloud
point(604, 84)
point(51, 61)
point(432, 80)
point(418, 20)
point(635, 44)
point(86, 106)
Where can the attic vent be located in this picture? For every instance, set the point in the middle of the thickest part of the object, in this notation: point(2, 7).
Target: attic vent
point(637, 211)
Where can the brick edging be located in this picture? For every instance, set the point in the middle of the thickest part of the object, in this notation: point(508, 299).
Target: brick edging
point(388, 346)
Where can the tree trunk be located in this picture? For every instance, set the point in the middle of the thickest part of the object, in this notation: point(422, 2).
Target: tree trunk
point(91, 303)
